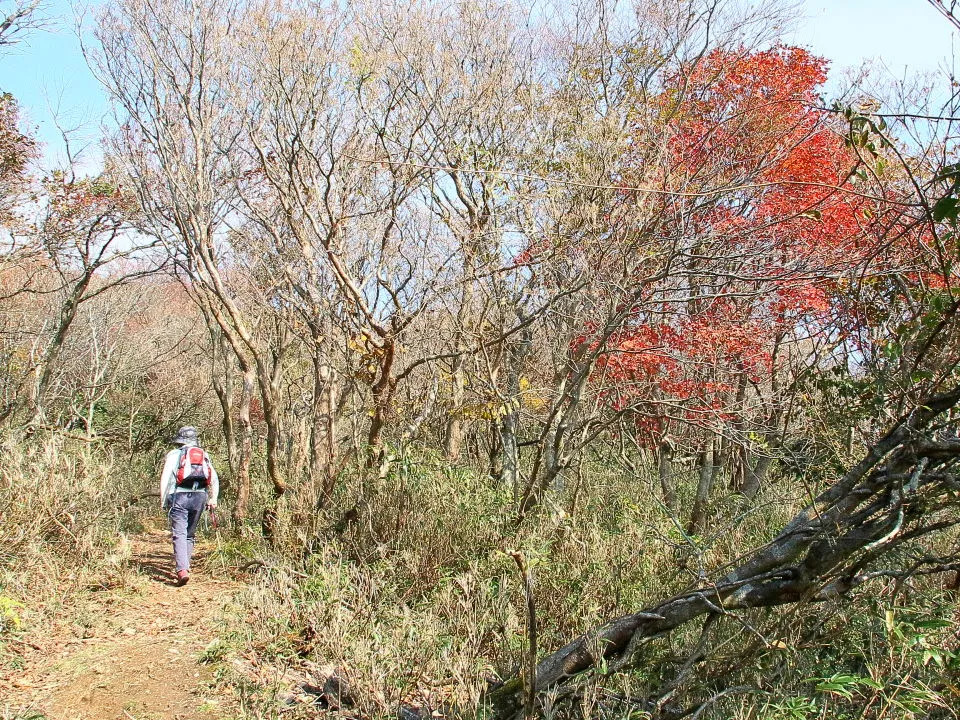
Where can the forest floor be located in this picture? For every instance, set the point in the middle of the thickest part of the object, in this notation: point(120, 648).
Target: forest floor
point(138, 656)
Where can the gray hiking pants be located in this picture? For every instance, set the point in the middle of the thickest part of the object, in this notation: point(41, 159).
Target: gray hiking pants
point(185, 511)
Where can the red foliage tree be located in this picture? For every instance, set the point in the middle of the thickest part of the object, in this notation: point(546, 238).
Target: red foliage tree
point(769, 226)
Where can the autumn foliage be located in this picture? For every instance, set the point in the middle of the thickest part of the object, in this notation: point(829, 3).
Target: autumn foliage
point(768, 227)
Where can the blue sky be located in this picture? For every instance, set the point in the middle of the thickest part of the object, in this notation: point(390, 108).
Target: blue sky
point(902, 34)
point(47, 70)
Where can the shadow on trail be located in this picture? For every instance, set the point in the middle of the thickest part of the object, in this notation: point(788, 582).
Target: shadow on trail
point(158, 566)
point(156, 562)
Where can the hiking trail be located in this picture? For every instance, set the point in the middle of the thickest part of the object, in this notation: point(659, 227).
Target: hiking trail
point(142, 658)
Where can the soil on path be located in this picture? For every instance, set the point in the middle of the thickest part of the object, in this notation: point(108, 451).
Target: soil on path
point(143, 661)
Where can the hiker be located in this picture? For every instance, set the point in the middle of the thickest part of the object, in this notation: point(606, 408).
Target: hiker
point(188, 485)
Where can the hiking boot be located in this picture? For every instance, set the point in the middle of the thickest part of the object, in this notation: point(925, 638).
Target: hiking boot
point(183, 576)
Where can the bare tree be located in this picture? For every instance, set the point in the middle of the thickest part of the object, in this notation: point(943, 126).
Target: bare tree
point(170, 69)
point(19, 17)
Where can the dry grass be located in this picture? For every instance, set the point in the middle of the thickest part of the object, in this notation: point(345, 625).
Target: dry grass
point(62, 531)
point(416, 601)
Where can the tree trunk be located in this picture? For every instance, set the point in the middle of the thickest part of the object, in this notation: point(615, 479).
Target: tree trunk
point(736, 449)
point(719, 457)
point(665, 469)
point(495, 451)
point(751, 481)
point(704, 486)
point(516, 353)
point(222, 379)
point(554, 454)
point(271, 416)
point(245, 454)
point(454, 432)
point(756, 475)
point(322, 438)
point(383, 389)
point(47, 363)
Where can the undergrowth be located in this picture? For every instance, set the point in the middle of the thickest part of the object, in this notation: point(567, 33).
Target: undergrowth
point(415, 600)
point(64, 533)
point(408, 595)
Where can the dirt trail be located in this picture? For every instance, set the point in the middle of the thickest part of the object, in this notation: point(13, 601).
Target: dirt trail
point(143, 663)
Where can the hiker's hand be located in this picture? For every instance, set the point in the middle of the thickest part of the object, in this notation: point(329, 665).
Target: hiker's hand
point(211, 505)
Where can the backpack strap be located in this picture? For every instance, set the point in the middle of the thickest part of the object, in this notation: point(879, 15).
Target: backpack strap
point(178, 478)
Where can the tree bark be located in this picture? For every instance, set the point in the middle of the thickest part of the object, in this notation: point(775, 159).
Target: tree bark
point(704, 486)
point(453, 437)
point(245, 454)
point(47, 363)
point(222, 380)
point(736, 449)
point(271, 416)
point(383, 389)
point(322, 431)
point(751, 481)
point(668, 484)
point(516, 354)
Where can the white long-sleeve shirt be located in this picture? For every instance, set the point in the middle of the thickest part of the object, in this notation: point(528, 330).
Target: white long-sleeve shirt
point(168, 479)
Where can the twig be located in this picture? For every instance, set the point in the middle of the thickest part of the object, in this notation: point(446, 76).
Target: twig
point(137, 498)
point(531, 674)
point(697, 655)
point(947, 12)
point(26, 643)
point(261, 564)
point(710, 701)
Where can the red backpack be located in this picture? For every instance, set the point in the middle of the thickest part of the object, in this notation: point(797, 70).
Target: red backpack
point(194, 468)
